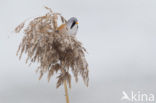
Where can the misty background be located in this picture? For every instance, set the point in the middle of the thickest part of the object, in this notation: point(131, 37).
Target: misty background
point(119, 35)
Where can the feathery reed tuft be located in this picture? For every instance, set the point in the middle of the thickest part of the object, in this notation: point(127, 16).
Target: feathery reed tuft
point(53, 51)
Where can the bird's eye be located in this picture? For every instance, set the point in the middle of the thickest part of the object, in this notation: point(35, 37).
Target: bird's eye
point(72, 25)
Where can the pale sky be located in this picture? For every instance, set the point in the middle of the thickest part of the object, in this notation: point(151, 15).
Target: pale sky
point(120, 38)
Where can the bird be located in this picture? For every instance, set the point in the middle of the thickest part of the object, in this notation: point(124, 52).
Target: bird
point(70, 27)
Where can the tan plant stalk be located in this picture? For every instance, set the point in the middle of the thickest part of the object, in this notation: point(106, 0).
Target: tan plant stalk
point(66, 91)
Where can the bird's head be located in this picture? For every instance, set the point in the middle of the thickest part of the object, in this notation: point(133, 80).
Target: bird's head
point(72, 25)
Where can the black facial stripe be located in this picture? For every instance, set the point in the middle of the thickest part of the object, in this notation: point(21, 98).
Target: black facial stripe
point(72, 25)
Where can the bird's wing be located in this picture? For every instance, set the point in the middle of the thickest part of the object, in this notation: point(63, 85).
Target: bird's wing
point(61, 27)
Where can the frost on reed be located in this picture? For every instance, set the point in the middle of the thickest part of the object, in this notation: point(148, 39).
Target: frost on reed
point(54, 52)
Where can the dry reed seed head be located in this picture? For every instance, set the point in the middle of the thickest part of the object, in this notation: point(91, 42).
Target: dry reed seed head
point(19, 27)
point(62, 77)
point(52, 50)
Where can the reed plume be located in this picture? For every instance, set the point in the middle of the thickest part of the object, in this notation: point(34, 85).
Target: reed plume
point(53, 51)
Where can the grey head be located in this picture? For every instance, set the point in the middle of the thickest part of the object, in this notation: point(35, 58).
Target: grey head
point(72, 26)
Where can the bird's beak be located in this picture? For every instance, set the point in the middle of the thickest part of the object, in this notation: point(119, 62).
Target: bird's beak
point(77, 23)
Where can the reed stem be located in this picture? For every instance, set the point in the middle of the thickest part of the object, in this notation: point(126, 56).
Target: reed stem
point(66, 91)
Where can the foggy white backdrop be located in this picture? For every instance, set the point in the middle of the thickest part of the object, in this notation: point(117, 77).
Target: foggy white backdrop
point(120, 36)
